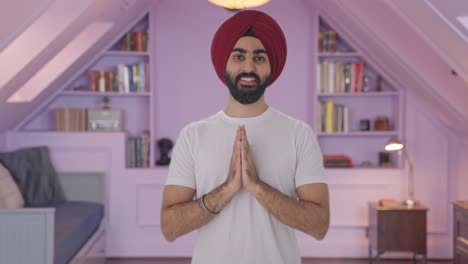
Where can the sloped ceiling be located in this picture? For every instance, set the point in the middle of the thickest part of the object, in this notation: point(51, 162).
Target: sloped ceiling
point(416, 43)
point(444, 32)
point(397, 46)
point(119, 13)
point(19, 18)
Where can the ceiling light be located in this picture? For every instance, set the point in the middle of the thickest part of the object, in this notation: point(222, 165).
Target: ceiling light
point(238, 4)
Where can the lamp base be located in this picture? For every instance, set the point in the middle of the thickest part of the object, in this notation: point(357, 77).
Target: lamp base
point(410, 203)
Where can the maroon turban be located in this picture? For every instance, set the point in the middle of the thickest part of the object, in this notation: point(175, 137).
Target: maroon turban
point(266, 30)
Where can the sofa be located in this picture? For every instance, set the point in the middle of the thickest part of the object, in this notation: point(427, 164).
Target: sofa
point(38, 224)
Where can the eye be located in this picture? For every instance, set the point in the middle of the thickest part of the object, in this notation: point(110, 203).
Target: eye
point(238, 57)
point(259, 59)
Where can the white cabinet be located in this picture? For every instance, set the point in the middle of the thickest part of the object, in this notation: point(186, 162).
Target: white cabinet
point(134, 221)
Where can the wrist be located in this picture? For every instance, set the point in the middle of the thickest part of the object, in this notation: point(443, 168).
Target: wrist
point(205, 207)
point(256, 187)
point(230, 188)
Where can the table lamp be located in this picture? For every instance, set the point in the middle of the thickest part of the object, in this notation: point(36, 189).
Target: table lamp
point(396, 145)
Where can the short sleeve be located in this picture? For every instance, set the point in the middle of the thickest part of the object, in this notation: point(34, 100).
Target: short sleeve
point(181, 168)
point(309, 160)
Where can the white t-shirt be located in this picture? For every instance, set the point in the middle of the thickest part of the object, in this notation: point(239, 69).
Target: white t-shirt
point(286, 155)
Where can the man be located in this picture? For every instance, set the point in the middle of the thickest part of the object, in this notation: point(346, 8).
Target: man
point(257, 173)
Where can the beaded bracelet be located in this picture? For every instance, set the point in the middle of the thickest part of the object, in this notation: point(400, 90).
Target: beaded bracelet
point(202, 204)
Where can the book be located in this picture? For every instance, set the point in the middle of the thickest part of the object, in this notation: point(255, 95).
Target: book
point(329, 106)
point(101, 82)
point(337, 161)
point(389, 202)
point(70, 119)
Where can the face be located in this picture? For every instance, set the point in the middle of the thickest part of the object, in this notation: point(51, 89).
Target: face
point(248, 70)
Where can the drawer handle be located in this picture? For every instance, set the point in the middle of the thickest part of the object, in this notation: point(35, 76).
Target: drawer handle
point(463, 240)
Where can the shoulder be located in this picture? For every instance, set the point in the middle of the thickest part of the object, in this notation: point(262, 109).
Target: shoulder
point(296, 126)
point(195, 128)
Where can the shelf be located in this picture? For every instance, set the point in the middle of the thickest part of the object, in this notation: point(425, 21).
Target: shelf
point(136, 169)
point(358, 134)
point(153, 169)
point(356, 168)
point(360, 94)
point(338, 54)
point(369, 95)
point(88, 93)
point(72, 133)
point(125, 53)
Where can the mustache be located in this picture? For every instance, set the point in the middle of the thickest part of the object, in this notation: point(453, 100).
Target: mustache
point(245, 74)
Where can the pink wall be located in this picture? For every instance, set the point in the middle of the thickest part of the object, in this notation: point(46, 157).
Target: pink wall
point(405, 55)
point(188, 90)
point(187, 84)
point(459, 177)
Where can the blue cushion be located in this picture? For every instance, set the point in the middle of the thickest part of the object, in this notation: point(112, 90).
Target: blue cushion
point(75, 223)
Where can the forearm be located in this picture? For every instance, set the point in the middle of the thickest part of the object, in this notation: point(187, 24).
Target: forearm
point(308, 217)
point(182, 218)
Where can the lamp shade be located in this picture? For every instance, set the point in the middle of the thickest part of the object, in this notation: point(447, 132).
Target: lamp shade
point(394, 145)
point(238, 4)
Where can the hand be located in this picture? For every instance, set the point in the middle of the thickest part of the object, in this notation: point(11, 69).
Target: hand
point(234, 179)
point(249, 174)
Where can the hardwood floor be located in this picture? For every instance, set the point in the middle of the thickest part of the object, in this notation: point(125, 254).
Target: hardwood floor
point(304, 261)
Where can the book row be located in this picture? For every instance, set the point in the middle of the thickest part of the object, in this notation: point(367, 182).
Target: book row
point(327, 41)
point(70, 119)
point(138, 150)
point(332, 117)
point(85, 119)
point(126, 79)
point(341, 77)
point(134, 41)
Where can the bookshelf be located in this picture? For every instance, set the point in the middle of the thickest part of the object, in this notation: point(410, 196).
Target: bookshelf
point(121, 74)
point(356, 109)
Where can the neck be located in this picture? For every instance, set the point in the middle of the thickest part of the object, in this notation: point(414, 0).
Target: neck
point(236, 109)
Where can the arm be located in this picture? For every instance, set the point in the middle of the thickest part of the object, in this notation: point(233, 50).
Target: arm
point(309, 214)
point(180, 214)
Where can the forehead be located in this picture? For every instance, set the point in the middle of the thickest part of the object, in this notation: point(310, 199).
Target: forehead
point(249, 44)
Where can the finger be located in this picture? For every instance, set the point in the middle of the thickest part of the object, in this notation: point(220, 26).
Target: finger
point(238, 159)
point(245, 142)
point(244, 153)
point(238, 147)
point(237, 139)
point(244, 133)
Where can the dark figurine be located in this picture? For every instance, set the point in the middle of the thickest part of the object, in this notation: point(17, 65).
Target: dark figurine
point(165, 145)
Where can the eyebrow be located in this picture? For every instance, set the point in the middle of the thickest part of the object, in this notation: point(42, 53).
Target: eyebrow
point(243, 51)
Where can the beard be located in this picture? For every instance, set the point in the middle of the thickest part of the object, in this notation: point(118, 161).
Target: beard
point(246, 94)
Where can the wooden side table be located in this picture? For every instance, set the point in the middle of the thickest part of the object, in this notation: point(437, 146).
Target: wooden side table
point(397, 228)
point(460, 232)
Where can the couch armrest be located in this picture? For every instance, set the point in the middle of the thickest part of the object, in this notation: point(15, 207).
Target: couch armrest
point(27, 235)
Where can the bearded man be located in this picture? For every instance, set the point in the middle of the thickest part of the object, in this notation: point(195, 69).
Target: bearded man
point(248, 175)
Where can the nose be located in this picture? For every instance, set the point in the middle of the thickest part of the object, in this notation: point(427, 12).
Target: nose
point(249, 66)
